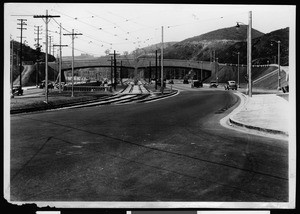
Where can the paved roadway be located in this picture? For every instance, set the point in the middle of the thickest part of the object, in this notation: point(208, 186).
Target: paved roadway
point(170, 150)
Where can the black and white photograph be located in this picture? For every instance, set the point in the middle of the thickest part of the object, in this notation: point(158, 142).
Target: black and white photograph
point(140, 105)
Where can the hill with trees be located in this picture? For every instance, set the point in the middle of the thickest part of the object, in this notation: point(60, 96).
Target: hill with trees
point(264, 49)
point(29, 56)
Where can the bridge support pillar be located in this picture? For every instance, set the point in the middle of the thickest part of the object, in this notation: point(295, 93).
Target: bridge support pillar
point(214, 70)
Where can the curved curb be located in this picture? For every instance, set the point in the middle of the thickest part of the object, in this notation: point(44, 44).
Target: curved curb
point(244, 101)
point(271, 131)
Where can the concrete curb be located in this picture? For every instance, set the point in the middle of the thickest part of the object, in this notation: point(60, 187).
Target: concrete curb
point(271, 131)
point(257, 128)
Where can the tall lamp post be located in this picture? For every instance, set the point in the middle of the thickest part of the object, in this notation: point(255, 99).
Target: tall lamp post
point(278, 44)
point(249, 52)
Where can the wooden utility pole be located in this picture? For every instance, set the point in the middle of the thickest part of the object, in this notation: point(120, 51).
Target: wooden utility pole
point(155, 69)
point(38, 51)
point(162, 60)
point(72, 34)
point(115, 71)
point(149, 71)
point(238, 53)
point(249, 58)
point(12, 67)
point(60, 57)
point(21, 28)
point(46, 19)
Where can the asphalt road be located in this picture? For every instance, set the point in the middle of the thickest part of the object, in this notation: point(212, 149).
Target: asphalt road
point(169, 150)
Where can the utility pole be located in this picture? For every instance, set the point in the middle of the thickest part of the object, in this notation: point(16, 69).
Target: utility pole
point(162, 59)
point(238, 53)
point(72, 34)
point(53, 45)
point(278, 65)
point(121, 71)
point(114, 65)
point(60, 64)
point(111, 72)
point(50, 38)
point(12, 67)
point(249, 58)
point(149, 71)
point(201, 71)
point(155, 69)
point(217, 69)
point(46, 19)
point(21, 28)
point(115, 70)
point(60, 56)
point(38, 51)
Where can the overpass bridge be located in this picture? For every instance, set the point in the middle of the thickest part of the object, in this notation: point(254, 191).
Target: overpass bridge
point(142, 66)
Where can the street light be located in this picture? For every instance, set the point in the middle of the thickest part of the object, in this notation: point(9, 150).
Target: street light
point(278, 43)
point(249, 49)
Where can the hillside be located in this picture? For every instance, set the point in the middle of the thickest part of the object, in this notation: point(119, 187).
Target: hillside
point(226, 42)
point(263, 51)
point(231, 33)
point(202, 47)
point(150, 50)
point(29, 56)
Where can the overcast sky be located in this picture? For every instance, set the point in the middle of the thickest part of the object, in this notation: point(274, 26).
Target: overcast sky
point(125, 27)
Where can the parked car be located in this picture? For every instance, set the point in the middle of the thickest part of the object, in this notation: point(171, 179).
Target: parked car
point(171, 82)
point(213, 84)
point(185, 81)
point(197, 83)
point(230, 85)
point(50, 85)
point(62, 85)
point(17, 90)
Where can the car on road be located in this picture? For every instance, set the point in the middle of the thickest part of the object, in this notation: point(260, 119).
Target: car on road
point(230, 85)
point(17, 90)
point(197, 84)
point(50, 85)
point(213, 84)
point(62, 85)
point(185, 81)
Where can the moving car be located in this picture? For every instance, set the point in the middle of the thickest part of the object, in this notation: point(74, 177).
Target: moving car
point(230, 85)
point(213, 84)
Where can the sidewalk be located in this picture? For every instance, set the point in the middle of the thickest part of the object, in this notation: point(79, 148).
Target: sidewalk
point(263, 112)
